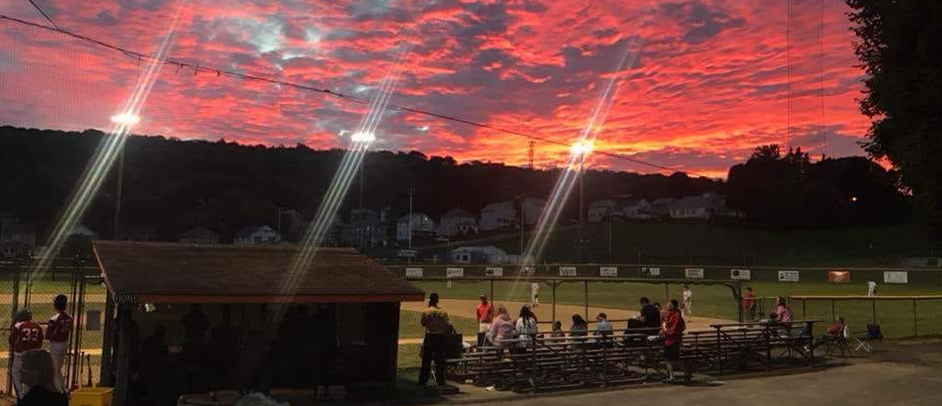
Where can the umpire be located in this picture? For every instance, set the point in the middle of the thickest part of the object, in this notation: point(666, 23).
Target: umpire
point(437, 327)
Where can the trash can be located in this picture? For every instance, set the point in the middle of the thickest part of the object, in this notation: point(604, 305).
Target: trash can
point(91, 397)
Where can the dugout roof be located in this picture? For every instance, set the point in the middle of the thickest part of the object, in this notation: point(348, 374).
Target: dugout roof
point(186, 273)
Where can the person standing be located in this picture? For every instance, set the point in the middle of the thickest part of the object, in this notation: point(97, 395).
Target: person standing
point(38, 373)
point(485, 314)
point(25, 335)
point(57, 332)
point(673, 332)
point(749, 305)
point(871, 288)
point(195, 323)
point(686, 310)
point(435, 321)
point(535, 294)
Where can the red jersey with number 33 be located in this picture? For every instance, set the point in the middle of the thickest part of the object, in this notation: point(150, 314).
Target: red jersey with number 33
point(59, 327)
point(26, 336)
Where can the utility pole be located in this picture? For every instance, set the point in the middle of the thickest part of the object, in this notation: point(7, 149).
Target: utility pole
point(411, 193)
point(581, 201)
point(611, 213)
point(360, 239)
point(523, 222)
point(115, 226)
point(532, 144)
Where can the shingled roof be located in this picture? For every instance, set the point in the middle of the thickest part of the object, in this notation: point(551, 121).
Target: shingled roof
point(185, 273)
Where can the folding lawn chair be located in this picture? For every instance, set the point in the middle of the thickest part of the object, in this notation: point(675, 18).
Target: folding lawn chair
point(872, 335)
point(838, 343)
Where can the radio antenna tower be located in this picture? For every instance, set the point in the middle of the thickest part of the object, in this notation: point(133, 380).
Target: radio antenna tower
point(532, 144)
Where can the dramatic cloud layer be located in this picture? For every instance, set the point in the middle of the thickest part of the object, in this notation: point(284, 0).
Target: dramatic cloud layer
point(711, 79)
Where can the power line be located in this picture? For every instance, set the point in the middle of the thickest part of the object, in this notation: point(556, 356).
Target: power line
point(197, 68)
point(40, 10)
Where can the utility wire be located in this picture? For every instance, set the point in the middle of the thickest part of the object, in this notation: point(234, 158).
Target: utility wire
point(40, 10)
point(197, 68)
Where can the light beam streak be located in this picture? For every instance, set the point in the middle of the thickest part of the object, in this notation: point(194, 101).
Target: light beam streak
point(104, 157)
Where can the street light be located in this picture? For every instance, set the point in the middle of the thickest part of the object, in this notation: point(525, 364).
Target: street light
point(127, 119)
point(363, 137)
point(580, 150)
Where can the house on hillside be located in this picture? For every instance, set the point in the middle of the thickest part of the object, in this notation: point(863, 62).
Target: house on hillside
point(703, 207)
point(661, 207)
point(199, 235)
point(532, 210)
point(457, 222)
point(498, 216)
point(364, 230)
point(16, 240)
point(488, 254)
point(419, 225)
point(256, 235)
point(635, 208)
point(600, 210)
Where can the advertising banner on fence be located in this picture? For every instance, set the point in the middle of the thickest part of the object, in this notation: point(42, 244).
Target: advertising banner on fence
point(608, 271)
point(494, 271)
point(896, 277)
point(413, 273)
point(839, 276)
point(740, 274)
point(693, 273)
point(788, 276)
point(651, 272)
point(454, 272)
point(528, 270)
point(567, 271)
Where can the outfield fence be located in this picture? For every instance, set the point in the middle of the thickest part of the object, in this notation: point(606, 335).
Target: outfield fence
point(897, 316)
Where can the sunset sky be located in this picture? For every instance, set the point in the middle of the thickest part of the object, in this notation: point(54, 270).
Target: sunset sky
point(709, 82)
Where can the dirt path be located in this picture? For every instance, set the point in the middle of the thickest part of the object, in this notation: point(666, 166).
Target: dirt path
point(466, 308)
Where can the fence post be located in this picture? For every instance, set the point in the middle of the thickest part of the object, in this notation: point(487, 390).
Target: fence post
point(586, 292)
point(833, 313)
point(915, 321)
point(492, 290)
point(804, 310)
point(554, 300)
point(874, 302)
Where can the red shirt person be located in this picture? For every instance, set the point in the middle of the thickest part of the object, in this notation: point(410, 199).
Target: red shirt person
point(57, 332)
point(672, 328)
point(25, 335)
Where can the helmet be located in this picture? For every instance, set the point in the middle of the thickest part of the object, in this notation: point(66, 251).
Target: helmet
point(23, 315)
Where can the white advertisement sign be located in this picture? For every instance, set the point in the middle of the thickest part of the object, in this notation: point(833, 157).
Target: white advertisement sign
point(788, 276)
point(413, 273)
point(494, 271)
point(896, 277)
point(454, 272)
point(608, 271)
point(693, 273)
point(740, 274)
point(651, 272)
point(567, 271)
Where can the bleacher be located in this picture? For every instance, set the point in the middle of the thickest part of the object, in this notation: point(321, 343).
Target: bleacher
point(547, 363)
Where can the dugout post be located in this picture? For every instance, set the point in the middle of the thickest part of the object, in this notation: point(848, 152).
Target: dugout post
point(585, 284)
point(553, 313)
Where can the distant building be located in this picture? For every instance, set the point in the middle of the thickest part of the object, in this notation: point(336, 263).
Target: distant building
point(364, 230)
point(600, 210)
point(487, 254)
point(457, 222)
point(636, 208)
point(421, 225)
point(532, 209)
point(661, 207)
point(498, 216)
point(136, 232)
point(705, 206)
point(16, 240)
point(256, 235)
point(199, 235)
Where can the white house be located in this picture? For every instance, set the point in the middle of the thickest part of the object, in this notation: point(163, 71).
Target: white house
point(199, 235)
point(705, 206)
point(661, 207)
point(532, 209)
point(636, 208)
point(497, 216)
point(600, 210)
point(256, 235)
point(457, 222)
point(420, 223)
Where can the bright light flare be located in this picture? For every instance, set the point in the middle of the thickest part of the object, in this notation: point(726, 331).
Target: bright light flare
point(125, 119)
point(581, 148)
point(363, 136)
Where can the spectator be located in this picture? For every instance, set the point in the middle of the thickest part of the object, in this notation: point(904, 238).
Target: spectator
point(195, 323)
point(603, 327)
point(502, 328)
point(579, 329)
point(673, 332)
point(435, 321)
point(834, 330)
point(155, 367)
point(871, 288)
point(688, 302)
point(557, 330)
point(38, 373)
point(526, 328)
point(485, 314)
point(58, 331)
point(782, 312)
point(749, 305)
point(650, 313)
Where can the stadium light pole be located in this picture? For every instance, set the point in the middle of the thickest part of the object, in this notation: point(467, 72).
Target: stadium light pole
point(127, 120)
point(581, 149)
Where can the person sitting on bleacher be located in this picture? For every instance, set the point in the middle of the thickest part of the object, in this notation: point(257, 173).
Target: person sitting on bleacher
point(648, 317)
point(557, 330)
point(834, 331)
point(526, 326)
point(502, 328)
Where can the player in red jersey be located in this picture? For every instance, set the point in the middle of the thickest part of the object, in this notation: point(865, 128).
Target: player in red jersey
point(25, 335)
point(57, 332)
